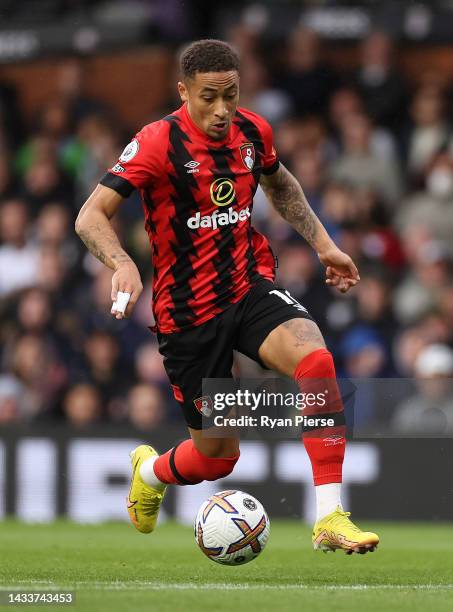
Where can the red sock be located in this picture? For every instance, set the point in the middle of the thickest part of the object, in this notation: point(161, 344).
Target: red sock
point(184, 464)
point(325, 445)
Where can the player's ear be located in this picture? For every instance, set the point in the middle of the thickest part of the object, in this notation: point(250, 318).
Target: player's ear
point(182, 91)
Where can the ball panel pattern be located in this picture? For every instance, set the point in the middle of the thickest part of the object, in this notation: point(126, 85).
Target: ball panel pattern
point(231, 527)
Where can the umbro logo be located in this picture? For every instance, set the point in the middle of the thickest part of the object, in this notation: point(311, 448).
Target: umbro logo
point(192, 166)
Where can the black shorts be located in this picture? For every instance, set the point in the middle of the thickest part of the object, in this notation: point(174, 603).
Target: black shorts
point(206, 351)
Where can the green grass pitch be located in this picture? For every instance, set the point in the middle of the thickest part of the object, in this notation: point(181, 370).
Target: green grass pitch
point(112, 567)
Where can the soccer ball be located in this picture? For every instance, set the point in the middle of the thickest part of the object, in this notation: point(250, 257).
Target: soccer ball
point(231, 527)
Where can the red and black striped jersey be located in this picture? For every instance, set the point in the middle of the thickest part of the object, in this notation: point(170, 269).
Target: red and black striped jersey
point(197, 196)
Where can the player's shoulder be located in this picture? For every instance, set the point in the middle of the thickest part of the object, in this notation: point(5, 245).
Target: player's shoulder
point(255, 118)
point(152, 139)
point(262, 125)
point(159, 129)
point(155, 129)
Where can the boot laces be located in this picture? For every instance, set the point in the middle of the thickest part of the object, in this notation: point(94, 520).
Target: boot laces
point(342, 518)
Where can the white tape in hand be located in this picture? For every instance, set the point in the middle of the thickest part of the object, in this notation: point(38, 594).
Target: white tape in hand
point(122, 300)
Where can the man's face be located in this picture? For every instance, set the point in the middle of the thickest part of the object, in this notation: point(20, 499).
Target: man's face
point(212, 99)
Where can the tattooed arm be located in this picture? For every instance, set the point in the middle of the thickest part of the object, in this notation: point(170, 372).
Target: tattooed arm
point(95, 230)
point(288, 199)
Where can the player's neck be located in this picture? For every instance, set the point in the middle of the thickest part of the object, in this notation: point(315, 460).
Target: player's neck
point(200, 131)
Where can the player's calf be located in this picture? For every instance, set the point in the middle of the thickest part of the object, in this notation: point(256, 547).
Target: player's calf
point(184, 464)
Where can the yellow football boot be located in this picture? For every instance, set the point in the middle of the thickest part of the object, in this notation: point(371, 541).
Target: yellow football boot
point(337, 531)
point(143, 501)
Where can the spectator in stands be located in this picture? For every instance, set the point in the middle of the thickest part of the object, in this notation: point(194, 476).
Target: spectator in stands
point(379, 81)
point(149, 366)
point(374, 305)
point(362, 168)
point(421, 287)
point(72, 89)
point(43, 182)
point(18, 257)
point(102, 366)
point(52, 270)
point(308, 168)
point(34, 363)
point(38, 148)
point(257, 94)
point(432, 207)
point(287, 137)
point(306, 77)
point(408, 345)
point(364, 357)
point(34, 311)
point(145, 407)
point(345, 103)
point(429, 133)
point(245, 39)
point(97, 146)
point(337, 206)
point(363, 353)
point(430, 410)
point(82, 406)
point(53, 232)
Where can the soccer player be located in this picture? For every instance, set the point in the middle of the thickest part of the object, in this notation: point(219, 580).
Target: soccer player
point(213, 287)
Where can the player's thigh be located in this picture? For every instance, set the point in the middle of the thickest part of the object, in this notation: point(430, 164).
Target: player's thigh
point(200, 352)
point(276, 330)
point(289, 343)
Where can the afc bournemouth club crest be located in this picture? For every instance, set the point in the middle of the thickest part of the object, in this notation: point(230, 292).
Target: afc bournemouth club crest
point(248, 155)
point(204, 405)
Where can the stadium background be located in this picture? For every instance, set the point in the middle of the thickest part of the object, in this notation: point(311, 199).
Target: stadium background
point(359, 96)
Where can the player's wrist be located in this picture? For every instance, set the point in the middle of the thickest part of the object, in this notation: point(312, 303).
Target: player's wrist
point(324, 246)
point(122, 262)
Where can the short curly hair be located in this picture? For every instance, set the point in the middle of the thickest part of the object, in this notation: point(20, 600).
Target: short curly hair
point(208, 55)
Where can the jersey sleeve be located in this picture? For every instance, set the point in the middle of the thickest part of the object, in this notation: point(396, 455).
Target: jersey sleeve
point(270, 159)
point(139, 164)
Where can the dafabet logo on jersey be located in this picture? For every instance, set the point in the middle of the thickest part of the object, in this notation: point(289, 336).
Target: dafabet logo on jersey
point(222, 194)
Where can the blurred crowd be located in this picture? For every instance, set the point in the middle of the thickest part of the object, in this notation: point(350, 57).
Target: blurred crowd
point(373, 152)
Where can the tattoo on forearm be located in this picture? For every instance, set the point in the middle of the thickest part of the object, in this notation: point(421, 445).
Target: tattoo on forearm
point(289, 200)
point(103, 243)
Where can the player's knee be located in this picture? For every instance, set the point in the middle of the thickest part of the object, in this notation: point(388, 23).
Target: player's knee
point(217, 447)
point(220, 467)
point(317, 364)
point(315, 376)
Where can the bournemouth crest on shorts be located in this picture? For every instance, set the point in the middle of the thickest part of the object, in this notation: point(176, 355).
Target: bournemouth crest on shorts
point(248, 155)
point(204, 405)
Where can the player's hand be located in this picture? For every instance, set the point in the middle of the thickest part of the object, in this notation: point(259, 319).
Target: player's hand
point(341, 272)
point(126, 279)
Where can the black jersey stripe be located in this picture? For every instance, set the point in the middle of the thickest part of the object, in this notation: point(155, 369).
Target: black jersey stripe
point(225, 241)
point(252, 134)
point(185, 207)
point(151, 228)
